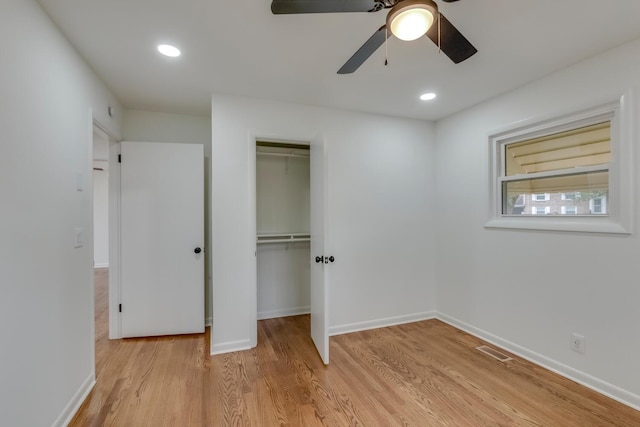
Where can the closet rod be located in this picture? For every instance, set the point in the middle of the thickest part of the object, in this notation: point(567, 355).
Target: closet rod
point(261, 153)
point(282, 235)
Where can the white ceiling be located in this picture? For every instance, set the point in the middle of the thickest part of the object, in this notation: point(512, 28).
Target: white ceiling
point(239, 47)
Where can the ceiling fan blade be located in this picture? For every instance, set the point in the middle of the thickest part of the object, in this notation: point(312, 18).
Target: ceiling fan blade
point(452, 42)
point(365, 51)
point(279, 7)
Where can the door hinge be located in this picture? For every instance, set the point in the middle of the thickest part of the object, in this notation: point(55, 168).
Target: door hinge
point(119, 158)
point(119, 308)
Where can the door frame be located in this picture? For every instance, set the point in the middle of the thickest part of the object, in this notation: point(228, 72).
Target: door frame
point(113, 224)
point(254, 137)
point(114, 230)
point(115, 328)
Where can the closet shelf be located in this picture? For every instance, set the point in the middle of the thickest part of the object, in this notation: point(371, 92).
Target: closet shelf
point(267, 153)
point(283, 238)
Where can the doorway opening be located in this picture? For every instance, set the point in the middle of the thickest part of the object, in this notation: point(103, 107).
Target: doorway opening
point(283, 229)
point(106, 227)
point(100, 199)
point(288, 188)
point(100, 178)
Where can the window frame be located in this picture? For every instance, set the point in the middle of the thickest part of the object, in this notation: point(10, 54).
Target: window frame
point(620, 200)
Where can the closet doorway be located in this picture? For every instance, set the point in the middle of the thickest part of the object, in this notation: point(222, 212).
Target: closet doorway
point(290, 234)
point(283, 229)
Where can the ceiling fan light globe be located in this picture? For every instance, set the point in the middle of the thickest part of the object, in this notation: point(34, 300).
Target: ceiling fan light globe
point(411, 19)
point(411, 24)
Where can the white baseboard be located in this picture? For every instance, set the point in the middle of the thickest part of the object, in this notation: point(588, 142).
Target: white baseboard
point(380, 323)
point(231, 346)
point(284, 312)
point(74, 404)
point(101, 265)
point(596, 384)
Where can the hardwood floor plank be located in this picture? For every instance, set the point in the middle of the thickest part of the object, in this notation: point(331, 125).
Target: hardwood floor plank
point(419, 374)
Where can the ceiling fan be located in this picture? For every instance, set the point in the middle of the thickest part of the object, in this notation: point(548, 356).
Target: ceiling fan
point(407, 20)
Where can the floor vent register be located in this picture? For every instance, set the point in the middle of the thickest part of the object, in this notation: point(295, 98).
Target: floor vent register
point(494, 353)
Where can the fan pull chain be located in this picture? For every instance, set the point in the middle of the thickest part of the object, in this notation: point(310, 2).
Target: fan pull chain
point(439, 46)
point(386, 49)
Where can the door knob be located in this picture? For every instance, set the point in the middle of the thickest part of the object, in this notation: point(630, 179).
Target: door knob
point(197, 250)
point(319, 259)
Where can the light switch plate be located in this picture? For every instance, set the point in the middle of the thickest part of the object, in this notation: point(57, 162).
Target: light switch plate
point(79, 237)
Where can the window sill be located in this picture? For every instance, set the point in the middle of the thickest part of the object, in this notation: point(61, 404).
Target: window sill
point(584, 225)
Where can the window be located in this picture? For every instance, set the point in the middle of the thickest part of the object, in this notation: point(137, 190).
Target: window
point(598, 206)
point(575, 171)
point(541, 210)
point(541, 197)
point(558, 164)
point(569, 196)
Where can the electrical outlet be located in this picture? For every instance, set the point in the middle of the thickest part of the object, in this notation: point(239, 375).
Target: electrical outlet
point(577, 343)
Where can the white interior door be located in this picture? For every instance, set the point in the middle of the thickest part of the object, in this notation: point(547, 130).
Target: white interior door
point(319, 318)
point(162, 235)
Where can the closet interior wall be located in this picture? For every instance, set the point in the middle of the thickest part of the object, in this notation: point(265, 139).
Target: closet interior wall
point(283, 240)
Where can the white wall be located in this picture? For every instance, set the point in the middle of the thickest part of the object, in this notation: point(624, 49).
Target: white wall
point(46, 308)
point(150, 126)
point(100, 199)
point(284, 273)
point(380, 213)
point(282, 194)
point(531, 290)
point(101, 214)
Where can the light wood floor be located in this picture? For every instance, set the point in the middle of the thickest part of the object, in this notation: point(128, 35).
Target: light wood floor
point(420, 374)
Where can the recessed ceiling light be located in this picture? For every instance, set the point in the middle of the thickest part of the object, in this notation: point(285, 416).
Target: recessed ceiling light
point(168, 50)
point(428, 96)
